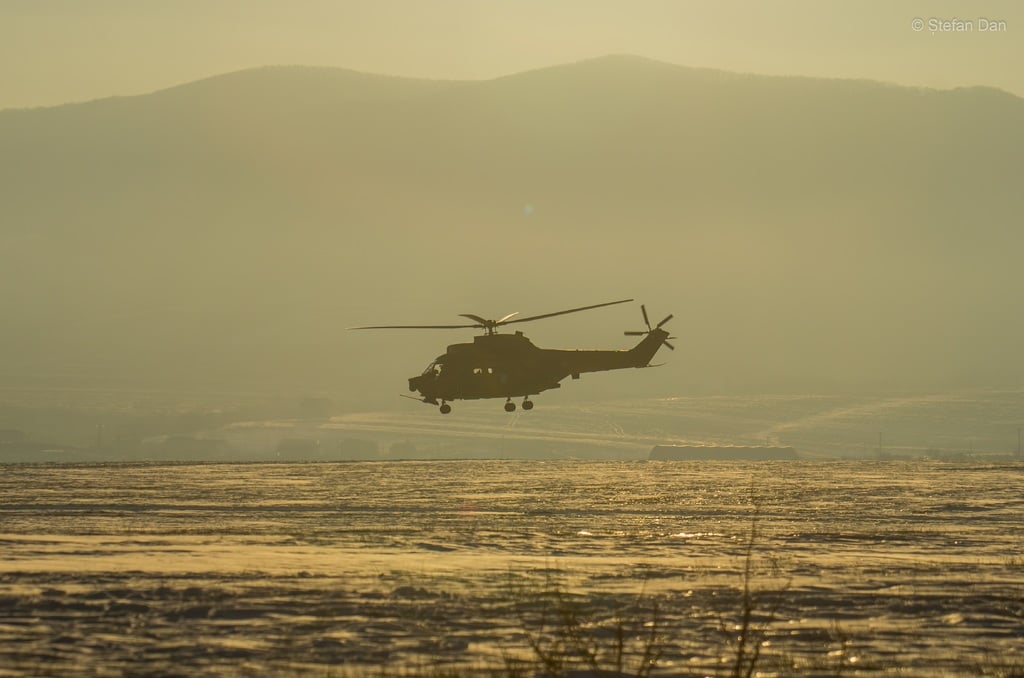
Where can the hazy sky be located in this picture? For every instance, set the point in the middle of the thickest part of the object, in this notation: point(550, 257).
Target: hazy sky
point(54, 51)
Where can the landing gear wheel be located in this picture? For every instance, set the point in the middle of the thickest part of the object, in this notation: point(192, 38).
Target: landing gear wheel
point(510, 406)
point(527, 404)
point(445, 408)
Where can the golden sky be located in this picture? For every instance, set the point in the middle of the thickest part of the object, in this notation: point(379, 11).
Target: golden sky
point(55, 51)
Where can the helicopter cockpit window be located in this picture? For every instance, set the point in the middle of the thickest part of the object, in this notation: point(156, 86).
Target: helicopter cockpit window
point(433, 369)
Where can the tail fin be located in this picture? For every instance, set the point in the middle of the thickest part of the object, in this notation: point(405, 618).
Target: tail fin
point(644, 352)
point(653, 339)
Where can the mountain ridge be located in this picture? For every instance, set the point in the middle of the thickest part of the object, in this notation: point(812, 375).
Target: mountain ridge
point(336, 73)
point(819, 232)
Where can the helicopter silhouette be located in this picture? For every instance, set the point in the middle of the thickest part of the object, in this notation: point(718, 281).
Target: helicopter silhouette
point(511, 366)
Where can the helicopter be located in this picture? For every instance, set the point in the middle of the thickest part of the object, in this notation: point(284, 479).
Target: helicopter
point(511, 366)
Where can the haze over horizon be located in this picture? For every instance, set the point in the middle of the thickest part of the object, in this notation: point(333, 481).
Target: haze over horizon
point(58, 52)
point(808, 234)
point(811, 230)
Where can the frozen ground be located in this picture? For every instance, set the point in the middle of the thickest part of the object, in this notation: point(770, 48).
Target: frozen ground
point(871, 568)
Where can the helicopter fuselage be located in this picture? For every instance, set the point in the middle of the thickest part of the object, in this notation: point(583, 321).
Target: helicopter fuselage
point(511, 366)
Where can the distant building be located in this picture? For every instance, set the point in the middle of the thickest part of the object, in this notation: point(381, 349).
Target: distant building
point(356, 448)
point(402, 450)
point(722, 453)
point(298, 448)
point(187, 447)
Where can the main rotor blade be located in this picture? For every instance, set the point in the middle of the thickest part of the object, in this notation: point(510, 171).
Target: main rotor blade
point(670, 346)
point(414, 327)
point(483, 322)
point(635, 334)
point(505, 319)
point(667, 318)
point(571, 310)
point(643, 309)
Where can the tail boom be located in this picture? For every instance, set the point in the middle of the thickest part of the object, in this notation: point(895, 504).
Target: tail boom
point(576, 362)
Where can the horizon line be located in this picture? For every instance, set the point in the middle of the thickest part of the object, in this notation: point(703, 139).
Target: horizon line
point(610, 56)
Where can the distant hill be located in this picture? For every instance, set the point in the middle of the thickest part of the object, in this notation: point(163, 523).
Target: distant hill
point(807, 233)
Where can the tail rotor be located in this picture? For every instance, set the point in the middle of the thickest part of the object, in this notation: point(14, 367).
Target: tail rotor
point(647, 322)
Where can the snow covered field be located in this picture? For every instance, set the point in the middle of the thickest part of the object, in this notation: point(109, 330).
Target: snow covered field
point(372, 568)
